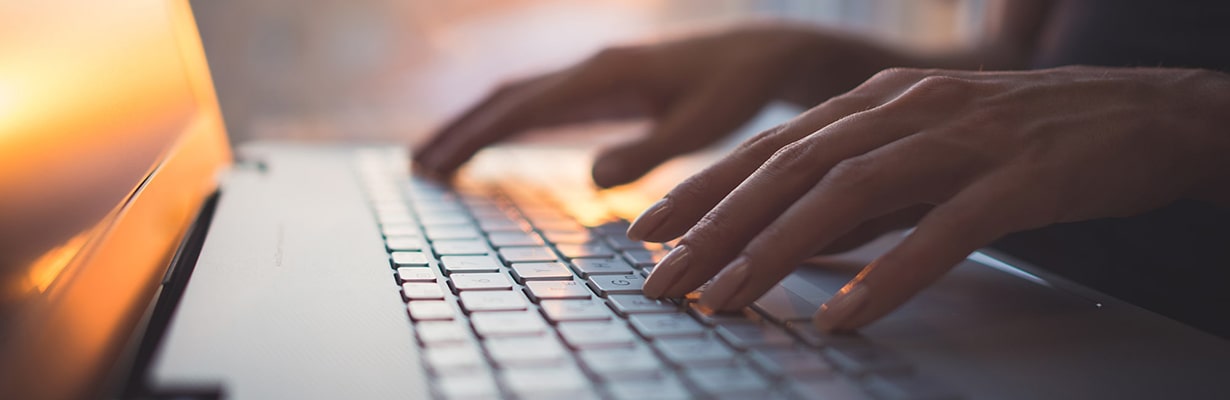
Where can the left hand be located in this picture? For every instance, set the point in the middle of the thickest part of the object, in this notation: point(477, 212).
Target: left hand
point(992, 152)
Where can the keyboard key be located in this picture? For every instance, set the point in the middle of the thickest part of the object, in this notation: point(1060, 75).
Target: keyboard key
point(830, 387)
point(797, 362)
point(422, 291)
point(445, 359)
point(416, 274)
point(621, 242)
point(627, 304)
point(527, 254)
point(727, 381)
point(863, 359)
point(570, 236)
point(550, 382)
point(695, 351)
point(409, 259)
point(443, 218)
point(510, 239)
point(709, 317)
point(556, 290)
point(661, 388)
point(501, 300)
point(481, 281)
point(430, 310)
point(644, 258)
point(442, 333)
point(747, 335)
point(811, 335)
point(616, 284)
point(493, 224)
point(783, 306)
point(575, 310)
point(404, 243)
point(601, 266)
point(469, 386)
point(500, 324)
point(400, 230)
point(666, 325)
point(554, 223)
point(510, 352)
point(619, 363)
point(591, 335)
point(908, 387)
point(450, 232)
point(541, 271)
point(586, 250)
point(459, 247)
point(455, 264)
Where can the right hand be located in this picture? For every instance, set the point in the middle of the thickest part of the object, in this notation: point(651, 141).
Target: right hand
point(695, 90)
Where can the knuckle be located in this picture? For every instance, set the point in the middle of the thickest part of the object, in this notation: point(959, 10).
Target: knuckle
point(852, 176)
point(938, 86)
point(763, 144)
point(788, 159)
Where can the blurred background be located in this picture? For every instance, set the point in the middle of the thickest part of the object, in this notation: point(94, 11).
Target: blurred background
point(391, 70)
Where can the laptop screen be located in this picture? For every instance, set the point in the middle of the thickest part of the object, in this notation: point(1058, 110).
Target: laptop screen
point(110, 139)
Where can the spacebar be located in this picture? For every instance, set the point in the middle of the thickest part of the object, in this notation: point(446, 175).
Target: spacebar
point(794, 299)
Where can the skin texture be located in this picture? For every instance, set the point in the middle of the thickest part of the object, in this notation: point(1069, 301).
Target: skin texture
point(989, 153)
point(963, 156)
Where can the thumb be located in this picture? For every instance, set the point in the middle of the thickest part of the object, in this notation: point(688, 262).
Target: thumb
point(698, 120)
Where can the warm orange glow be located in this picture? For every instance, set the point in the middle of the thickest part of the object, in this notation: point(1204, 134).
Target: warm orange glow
point(110, 141)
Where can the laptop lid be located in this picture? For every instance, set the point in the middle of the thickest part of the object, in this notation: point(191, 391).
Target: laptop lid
point(110, 141)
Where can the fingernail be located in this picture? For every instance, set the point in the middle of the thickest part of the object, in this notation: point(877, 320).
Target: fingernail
point(650, 220)
point(666, 272)
point(841, 307)
point(726, 284)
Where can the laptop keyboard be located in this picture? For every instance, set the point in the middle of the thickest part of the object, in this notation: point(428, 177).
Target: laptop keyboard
point(509, 297)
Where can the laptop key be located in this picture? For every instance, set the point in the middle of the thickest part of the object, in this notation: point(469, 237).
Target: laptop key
point(616, 284)
point(556, 290)
point(644, 258)
point(459, 247)
point(665, 387)
point(907, 387)
point(467, 387)
point(627, 304)
point(830, 387)
point(443, 218)
point(790, 361)
point(431, 310)
point(698, 351)
point(403, 243)
point(526, 351)
point(585, 250)
point(400, 230)
point(512, 239)
point(442, 333)
point(601, 266)
point(409, 259)
point(730, 381)
point(455, 264)
point(615, 364)
point(494, 224)
point(501, 300)
point(541, 271)
point(593, 335)
point(527, 254)
point(570, 236)
point(575, 310)
point(551, 382)
point(747, 335)
point(422, 291)
point(449, 232)
point(481, 281)
point(653, 326)
point(444, 359)
point(416, 274)
point(504, 324)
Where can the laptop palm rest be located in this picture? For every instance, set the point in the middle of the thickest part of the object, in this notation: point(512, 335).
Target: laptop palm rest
point(291, 296)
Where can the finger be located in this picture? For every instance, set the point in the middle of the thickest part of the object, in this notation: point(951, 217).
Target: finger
point(704, 116)
point(877, 227)
point(949, 233)
point(891, 178)
point(777, 184)
point(680, 209)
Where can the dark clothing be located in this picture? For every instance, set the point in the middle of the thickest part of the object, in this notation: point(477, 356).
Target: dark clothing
point(1176, 260)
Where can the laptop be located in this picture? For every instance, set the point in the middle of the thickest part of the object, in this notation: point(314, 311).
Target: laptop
point(143, 257)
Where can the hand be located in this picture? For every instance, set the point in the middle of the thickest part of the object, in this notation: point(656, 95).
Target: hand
point(976, 155)
point(696, 91)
